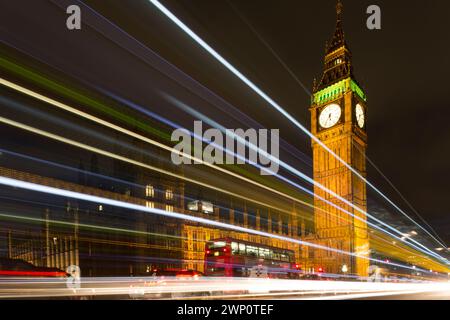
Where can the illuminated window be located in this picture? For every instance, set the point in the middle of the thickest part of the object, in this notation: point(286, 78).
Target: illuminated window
point(149, 204)
point(264, 253)
point(100, 208)
point(169, 208)
point(241, 248)
point(149, 191)
point(252, 251)
point(234, 248)
point(169, 194)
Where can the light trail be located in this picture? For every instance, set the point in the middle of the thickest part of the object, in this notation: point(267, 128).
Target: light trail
point(292, 74)
point(269, 47)
point(210, 287)
point(85, 100)
point(400, 238)
point(366, 295)
point(118, 157)
point(140, 137)
point(403, 240)
point(96, 199)
point(58, 165)
point(3, 151)
point(131, 161)
point(87, 226)
point(115, 229)
point(146, 61)
point(69, 168)
point(399, 193)
point(310, 180)
point(217, 125)
point(385, 249)
point(276, 106)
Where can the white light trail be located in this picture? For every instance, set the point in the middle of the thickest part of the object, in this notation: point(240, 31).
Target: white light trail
point(122, 130)
point(128, 160)
point(137, 163)
point(401, 238)
point(215, 287)
point(140, 137)
point(121, 204)
point(160, 145)
point(275, 105)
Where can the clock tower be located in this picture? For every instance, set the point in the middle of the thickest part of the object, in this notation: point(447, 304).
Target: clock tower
point(338, 119)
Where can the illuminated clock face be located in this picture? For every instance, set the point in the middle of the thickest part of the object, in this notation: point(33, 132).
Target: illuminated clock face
point(330, 115)
point(360, 118)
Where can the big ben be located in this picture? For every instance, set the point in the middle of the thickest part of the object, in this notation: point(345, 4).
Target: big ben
point(338, 120)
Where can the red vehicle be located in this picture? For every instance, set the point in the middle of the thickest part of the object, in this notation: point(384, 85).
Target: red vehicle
point(21, 268)
point(237, 258)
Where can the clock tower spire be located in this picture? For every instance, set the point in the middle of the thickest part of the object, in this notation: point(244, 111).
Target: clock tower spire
point(338, 119)
point(338, 58)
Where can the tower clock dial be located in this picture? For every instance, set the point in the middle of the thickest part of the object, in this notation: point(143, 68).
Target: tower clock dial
point(360, 117)
point(330, 115)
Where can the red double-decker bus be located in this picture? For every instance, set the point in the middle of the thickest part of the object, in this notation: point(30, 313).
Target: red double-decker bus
point(237, 258)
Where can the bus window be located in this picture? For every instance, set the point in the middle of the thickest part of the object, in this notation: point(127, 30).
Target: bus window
point(241, 248)
point(217, 244)
point(284, 257)
point(234, 248)
point(276, 255)
point(264, 253)
point(252, 251)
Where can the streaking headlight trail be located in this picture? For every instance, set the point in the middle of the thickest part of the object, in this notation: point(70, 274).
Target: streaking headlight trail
point(275, 105)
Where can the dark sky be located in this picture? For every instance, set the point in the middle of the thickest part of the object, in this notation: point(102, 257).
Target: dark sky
point(404, 69)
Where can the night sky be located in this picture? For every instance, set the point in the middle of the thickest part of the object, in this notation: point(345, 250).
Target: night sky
point(404, 69)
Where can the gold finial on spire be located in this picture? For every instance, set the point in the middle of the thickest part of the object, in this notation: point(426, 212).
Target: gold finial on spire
point(339, 9)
